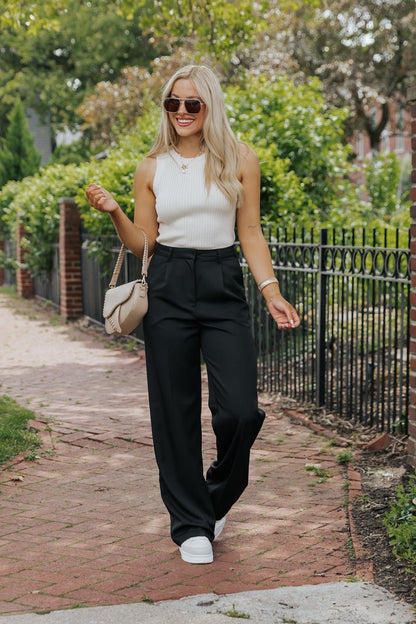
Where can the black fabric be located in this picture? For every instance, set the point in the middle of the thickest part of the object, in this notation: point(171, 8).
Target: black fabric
point(197, 305)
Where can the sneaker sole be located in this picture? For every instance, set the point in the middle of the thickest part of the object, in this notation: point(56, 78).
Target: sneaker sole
point(188, 558)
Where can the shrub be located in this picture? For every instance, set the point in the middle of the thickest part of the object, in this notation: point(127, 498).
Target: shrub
point(298, 139)
point(34, 203)
point(400, 522)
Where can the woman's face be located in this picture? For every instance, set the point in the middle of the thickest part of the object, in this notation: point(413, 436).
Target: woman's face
point(186, 124)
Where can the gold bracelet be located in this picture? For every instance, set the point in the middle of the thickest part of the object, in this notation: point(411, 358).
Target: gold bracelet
point(271, 280)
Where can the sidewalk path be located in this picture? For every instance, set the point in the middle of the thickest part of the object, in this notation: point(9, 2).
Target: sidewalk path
point(85, 525)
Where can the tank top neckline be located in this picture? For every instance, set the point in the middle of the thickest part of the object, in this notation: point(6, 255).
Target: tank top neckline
point(184, 165)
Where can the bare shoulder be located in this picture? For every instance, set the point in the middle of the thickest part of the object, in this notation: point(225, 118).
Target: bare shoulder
point(248, 160)
point(146, 167)
point(145, 172)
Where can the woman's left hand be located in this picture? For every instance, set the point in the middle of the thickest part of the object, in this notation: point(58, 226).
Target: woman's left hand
point(282, 312)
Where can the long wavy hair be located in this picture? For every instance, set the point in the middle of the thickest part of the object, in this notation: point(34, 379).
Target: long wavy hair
point(217, 139)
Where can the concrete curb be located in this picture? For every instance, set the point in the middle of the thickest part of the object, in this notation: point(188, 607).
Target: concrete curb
point(331, 603)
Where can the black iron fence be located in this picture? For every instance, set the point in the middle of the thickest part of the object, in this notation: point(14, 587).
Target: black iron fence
point(351, 352)
point(46, 286)
point(9, 262)
point(351, 289)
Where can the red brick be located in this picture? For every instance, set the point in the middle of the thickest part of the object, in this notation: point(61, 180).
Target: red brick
point(70, 261)
point(412, 430)
point(103, 533)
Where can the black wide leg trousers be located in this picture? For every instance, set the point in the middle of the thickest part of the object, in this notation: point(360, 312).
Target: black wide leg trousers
point(197, 304)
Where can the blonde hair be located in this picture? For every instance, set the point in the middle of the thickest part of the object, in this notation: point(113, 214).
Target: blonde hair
point(217, 139)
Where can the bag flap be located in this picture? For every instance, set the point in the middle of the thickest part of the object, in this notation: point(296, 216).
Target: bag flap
point(115, 296)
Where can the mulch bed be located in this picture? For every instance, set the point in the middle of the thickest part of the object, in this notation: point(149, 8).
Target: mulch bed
point(381, 472)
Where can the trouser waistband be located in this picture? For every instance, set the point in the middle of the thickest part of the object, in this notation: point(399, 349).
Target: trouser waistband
point(189, 253)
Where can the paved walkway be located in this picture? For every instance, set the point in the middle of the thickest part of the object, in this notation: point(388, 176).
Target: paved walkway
point(84, 525)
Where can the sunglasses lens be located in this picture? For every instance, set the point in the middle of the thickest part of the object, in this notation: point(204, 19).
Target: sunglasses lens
point(172, 105)
point(193, 106)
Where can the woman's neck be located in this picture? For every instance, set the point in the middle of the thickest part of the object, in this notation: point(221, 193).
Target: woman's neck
point(189, 147)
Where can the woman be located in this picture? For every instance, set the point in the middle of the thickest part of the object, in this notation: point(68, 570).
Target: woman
point(195, 185)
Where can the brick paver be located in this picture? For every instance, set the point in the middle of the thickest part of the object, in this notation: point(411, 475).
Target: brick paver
point(84, 523)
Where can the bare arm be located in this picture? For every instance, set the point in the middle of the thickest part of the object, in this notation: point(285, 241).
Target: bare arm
point(144, 214)
point(253, 243)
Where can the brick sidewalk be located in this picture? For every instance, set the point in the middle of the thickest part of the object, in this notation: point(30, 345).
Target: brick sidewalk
point(86, 526)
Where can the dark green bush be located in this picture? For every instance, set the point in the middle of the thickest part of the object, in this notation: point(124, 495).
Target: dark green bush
point(400, 522)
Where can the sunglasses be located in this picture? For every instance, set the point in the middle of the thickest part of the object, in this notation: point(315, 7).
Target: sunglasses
point(192, 105)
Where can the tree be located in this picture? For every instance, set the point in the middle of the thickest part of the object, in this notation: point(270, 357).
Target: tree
point(362, 50)
point(52, 54)
point(215, 28)
point(18, 156)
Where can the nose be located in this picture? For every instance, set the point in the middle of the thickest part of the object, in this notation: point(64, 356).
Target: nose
point(182, 108)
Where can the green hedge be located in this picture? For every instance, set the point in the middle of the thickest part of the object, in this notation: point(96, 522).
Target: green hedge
point(298, 138)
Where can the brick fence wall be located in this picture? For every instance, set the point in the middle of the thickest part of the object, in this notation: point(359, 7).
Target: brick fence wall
point(70, 279)
point(412, 376)
point(70, 269)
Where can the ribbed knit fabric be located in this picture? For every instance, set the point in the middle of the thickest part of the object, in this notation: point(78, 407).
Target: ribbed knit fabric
point(188, 216)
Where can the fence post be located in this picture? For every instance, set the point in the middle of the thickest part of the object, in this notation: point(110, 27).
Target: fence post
point(321, 328)
point(70, 275)
point(411, 444)
point(25, 286)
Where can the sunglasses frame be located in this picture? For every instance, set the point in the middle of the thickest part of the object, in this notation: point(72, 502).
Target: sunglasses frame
point(172, 99)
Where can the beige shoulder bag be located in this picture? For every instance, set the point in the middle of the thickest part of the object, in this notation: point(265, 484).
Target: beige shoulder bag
point(126, 305)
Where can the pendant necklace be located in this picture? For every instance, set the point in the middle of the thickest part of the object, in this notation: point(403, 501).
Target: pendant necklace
point(185, 163)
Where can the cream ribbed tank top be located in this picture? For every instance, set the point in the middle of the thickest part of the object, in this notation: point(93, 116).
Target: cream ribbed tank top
point(187, 214)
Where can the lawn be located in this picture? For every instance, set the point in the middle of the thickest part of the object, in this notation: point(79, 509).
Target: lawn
point(14, 435)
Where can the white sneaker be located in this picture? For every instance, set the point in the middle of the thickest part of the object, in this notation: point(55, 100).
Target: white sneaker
point(219, 525)
point(197, 550)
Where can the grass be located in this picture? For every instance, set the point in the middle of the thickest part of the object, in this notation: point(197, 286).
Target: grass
point(323, 474)
point(345, 457)
point(14, 435)
point(233, 613)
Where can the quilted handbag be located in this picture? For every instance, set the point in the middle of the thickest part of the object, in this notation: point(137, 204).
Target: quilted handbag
point(126, 305)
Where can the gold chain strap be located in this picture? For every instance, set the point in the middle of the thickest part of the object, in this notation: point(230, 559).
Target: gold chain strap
point(120, 259)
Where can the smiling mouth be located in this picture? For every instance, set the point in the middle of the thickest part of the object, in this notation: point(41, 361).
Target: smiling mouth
point(181, 121)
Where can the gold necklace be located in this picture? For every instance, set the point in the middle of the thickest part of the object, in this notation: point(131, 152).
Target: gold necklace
point(183, 164)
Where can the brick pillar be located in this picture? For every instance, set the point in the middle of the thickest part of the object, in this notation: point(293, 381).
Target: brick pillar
point(70, 260)
point(1, 266)
point(411, 445)
point(25, 286)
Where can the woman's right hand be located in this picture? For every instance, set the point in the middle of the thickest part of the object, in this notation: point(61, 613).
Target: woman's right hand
point(100, 199)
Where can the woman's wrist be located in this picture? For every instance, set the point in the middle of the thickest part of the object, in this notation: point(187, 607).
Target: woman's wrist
point(114, 212)
point(268, 282)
